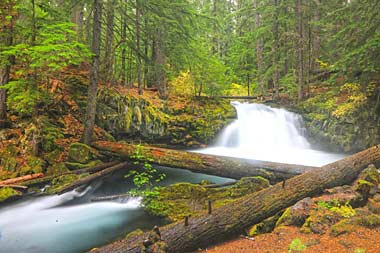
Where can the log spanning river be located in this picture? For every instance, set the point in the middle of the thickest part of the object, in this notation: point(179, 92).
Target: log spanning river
point(72, 223)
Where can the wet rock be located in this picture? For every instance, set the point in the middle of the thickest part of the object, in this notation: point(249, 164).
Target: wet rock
point(7, 193)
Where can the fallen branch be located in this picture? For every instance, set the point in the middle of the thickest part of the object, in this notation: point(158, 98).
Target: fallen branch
point(208, 164)
point(21, 179)
point(90, 178)
point(113, 197)
point(233, 218)
point(17, 187)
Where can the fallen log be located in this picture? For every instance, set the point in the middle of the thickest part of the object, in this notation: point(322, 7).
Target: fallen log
point(208, 164)
point(233, 218)
point(18, 180)
point(92, 177)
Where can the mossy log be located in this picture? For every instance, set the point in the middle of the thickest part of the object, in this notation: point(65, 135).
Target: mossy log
point(18, 180)
point(208, 164)
point(233, 218)
point(87, 180)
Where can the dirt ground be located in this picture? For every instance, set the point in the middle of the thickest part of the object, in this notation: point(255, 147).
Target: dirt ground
point(363, 240)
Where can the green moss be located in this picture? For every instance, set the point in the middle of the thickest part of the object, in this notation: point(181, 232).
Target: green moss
point(33, 165)
point(79, 166)
point(81, 153)
point(62, 181)
point(184, 199)
point(7, 192)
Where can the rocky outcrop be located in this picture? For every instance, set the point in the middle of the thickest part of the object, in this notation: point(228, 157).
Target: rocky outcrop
point(193, 123)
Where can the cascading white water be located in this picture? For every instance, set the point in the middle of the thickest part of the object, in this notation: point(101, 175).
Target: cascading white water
point(270, 134)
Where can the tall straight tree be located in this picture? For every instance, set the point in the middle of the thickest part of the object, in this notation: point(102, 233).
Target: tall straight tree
point(300, 49)
point(138, 48)
point(108, 54)
point(259, 47)
point(94, 74)
point(6, 37)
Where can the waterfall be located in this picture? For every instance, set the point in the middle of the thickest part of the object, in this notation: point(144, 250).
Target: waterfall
point(264, 133)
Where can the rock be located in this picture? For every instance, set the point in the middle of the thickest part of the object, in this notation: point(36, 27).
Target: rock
point(81, 153)
point(374, 204)
point(7, 193)
point(266, 226)
point(342, 194)
point(297, 214)
point(79, 166)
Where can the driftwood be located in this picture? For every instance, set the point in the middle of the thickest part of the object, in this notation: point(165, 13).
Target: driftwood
point(233, 218)
point(18, 180)
point(208, 164)
point(87, 180)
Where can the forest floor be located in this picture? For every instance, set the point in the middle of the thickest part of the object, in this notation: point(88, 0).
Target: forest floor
point(280, 240)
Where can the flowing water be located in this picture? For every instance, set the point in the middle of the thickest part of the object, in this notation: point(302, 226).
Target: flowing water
point(72, 223)
point(269, 134)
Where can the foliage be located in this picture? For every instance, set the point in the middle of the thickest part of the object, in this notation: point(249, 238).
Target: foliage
point(296, 246)
point(344, 210)
point(149, 175)
point(355, 99)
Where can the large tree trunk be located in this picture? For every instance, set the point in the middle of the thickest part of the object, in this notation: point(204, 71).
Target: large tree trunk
point(233, 218)
point(6, 29)
point(108, 54)
point(94, 74)
point(207, 164)
point(276, 53)
point(300, 50)
point(259, 47)
point(138, 48)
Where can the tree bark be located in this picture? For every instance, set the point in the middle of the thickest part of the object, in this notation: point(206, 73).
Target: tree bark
point(276, 53)
point(108, 51)
point(94, 74)
point(138, 48)
point(259, 47)
point(207, 164)
point(233, 218)
point(77, 18)
point(300, 50)
point(6, 40)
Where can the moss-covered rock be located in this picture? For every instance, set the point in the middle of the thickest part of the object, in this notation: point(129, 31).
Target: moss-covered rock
point(7, 193)
point(33, 165)
point(81, 153)
point(325, 215)
point(62, 181)
point(297, 214)
point(266, 226)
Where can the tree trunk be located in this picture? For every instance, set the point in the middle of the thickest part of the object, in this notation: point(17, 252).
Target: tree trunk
point(123, 50)
point(160, 61)
point(5, 64)
point(233, 218)
point(94, 74)
point(300, 50)
point(108, 51)
point(276, 53)
point(92, 177)
point(138, 56)
point(259, 48)
point(207, 164)
point(77, 18)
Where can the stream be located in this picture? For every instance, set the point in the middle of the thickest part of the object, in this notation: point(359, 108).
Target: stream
point(72, 223)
